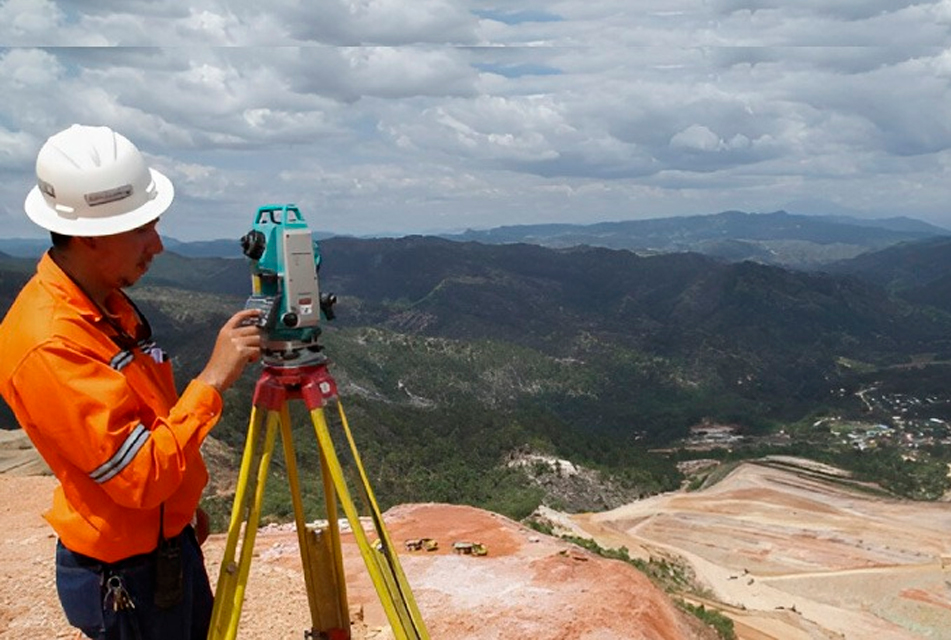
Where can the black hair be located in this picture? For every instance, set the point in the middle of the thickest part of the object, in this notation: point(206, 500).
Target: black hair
point(59, 240)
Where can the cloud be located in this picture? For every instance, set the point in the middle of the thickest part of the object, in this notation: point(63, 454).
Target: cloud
point(379, 22)
point(383, 72)
point(846, 10)
point(16, 150)
point(238, 23)
point(451, 113)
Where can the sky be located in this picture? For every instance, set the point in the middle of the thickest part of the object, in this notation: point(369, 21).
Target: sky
point(426, 116)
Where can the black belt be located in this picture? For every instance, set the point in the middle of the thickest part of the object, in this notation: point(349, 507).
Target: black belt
point(137, 560)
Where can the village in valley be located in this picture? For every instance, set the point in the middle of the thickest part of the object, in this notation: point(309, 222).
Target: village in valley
point(904, 420)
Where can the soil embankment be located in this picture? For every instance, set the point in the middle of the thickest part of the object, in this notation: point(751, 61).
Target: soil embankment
point(788, 554)
point(528, 586)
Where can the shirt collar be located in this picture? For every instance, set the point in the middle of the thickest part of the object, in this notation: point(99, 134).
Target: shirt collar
point(52, 276)
point(125, 322)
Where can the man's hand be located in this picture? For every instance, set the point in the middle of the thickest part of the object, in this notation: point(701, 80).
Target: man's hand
point(202, 525)
point(238, 344)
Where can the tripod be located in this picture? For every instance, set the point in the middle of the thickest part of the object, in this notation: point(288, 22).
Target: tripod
point(319, 546)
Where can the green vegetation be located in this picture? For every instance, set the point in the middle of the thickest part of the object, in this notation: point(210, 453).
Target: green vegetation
point(450, 356)
point(435, 420)
point(720, 623)
point(923, 478)
point(883, 470)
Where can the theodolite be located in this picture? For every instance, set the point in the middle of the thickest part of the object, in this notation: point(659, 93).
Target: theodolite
point(285, 260)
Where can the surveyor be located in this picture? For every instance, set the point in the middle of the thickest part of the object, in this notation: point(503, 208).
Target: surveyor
point(93, 390)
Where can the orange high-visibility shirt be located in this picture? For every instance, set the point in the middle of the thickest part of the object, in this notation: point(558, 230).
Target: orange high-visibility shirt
point(107, 420)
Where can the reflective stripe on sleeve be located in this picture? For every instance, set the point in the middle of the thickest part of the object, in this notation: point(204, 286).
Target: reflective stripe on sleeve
point(123, 456)
point(120, 360)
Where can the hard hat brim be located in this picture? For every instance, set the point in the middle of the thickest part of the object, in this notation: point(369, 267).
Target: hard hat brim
point(41, 213)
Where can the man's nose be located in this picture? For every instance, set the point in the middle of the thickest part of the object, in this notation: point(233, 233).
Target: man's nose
point(156, 246)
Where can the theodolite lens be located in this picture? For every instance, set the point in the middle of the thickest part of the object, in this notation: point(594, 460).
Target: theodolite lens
point(253, 244)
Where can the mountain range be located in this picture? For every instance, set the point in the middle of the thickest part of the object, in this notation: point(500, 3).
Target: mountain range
point(452, 353)
point(794, 240)
point(802, 241)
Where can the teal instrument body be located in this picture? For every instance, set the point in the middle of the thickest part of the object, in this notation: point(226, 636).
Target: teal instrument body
point(284, 285)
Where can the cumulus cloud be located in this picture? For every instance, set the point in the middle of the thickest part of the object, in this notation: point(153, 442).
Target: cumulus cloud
point(697, 138)
point(238, 23)
point(453, 113)
point(23, 18)
point(379, 22)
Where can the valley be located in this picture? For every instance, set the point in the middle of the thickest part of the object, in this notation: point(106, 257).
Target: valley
point(666, 401)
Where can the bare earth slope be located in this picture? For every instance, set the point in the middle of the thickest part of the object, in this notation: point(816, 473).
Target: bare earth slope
point(529, 586)
point(800, 556)
point(788, 554)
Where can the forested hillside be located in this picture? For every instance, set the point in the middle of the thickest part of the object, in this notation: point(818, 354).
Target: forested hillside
point(451, 356)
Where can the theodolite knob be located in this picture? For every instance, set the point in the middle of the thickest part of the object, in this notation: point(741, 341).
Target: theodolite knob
point(253, 244)
point(290, 319)
point(327, 302)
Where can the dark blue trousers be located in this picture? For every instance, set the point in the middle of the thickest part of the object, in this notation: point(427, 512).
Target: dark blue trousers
point(82, 583)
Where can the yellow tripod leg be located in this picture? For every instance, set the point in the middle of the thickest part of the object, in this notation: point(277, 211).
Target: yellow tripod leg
point(394, 603)
point(228, 574)
point(225, 623)
point(396, 570)
point(321, 558)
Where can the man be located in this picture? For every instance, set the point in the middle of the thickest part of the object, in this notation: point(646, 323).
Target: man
point(95, 394)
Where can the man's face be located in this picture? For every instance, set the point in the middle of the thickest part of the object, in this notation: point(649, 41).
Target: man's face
point(123, 258)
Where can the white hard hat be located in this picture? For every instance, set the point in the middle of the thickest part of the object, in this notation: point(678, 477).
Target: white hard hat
point(91, 181)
